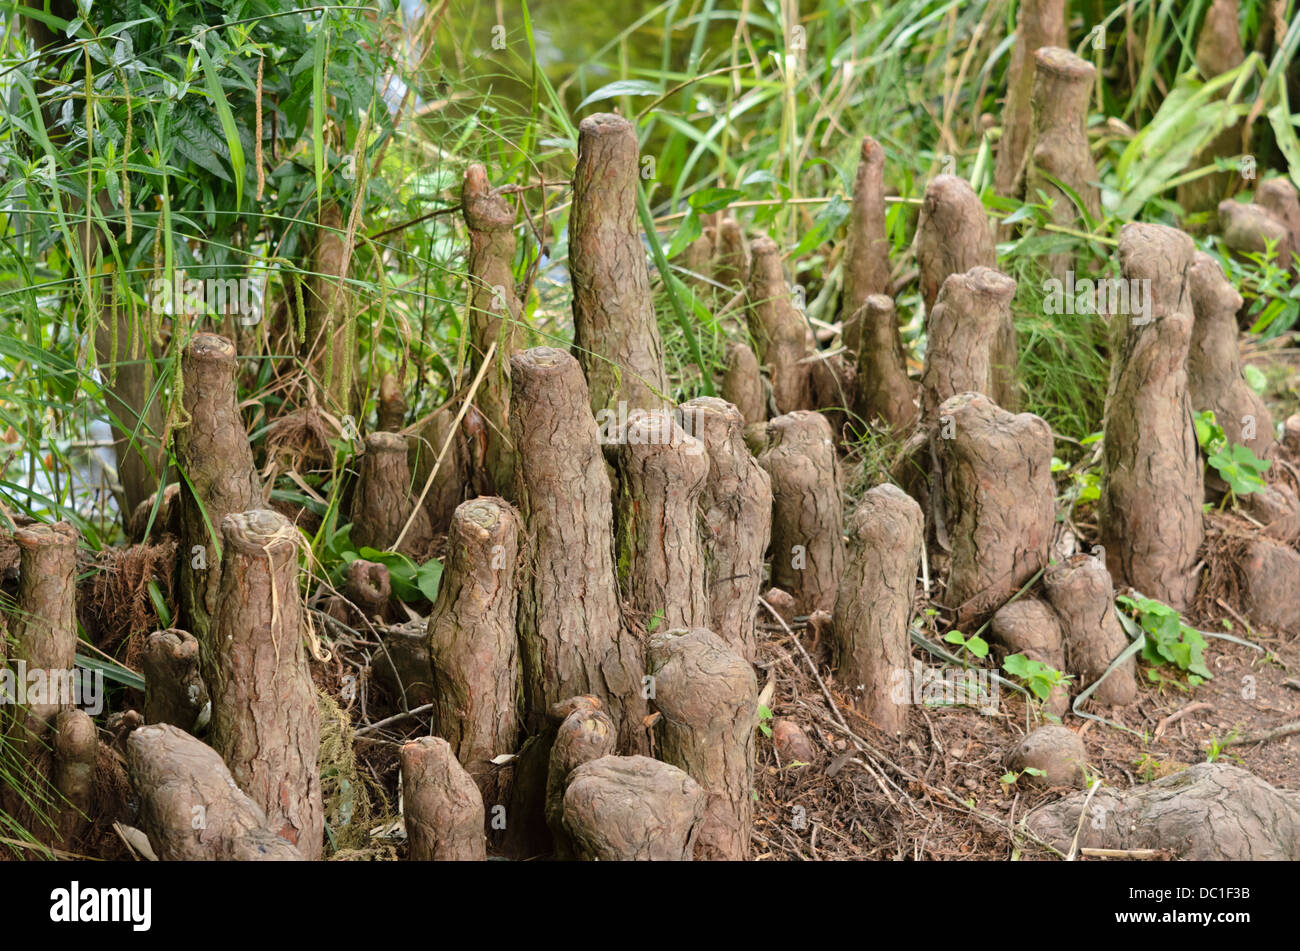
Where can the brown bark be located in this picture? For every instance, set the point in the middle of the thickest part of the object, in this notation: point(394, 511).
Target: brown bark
point(174, 692)
point(472, 636)
point(953, 236)
point(384, 498)
point(885, 393)
point(1083, 597)
point(1151, 494)
point(962, 330)
point(1278, 197)
point(442, 805)
point(43, 630)
point(866, 251)
point(1218, 51)
point(75, 746)
point(998, 501)
point(215, 457)
point(735, 512)
point(1039, 23)
point(368, 586)
point(732, 254)
point(586, 733)
point(450, 483)
point(1031, 627)
point(1058, 149)
point(1251, 229)
point(1214, 378)
point(167, 520)
point(392, 404)
point(697, 258)
point(780, 334)
point(329, 346)
point(615, 334)
point(833, 386)
point(1055, 751)
point(874, 606)
point(571, 635)
point(708, 698)
point(265, 722)
point(405, 666)
point(495, 316)
point(1270, 575)
point(661, 563)
point(632, 808)
point(190, 808)
point(524, 788)
point(807, 544)
point(742, 384)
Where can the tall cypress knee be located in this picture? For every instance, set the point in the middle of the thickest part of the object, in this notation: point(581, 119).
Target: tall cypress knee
point(962, 330)
point(571, 635)
point(779, 332)
point(884, 391)
point(616, 337)
point(1152, 489)
point(44, 628)
point(866, 252)
point(472, 642)
point(442, 806)
point(1039, 23)
point(384, 498)
point(265, 722)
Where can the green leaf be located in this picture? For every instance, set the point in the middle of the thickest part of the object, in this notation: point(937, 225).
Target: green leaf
point(318, 106)
point(213, 82)
point(623, 87)
point(978, 646)
point(955, 637)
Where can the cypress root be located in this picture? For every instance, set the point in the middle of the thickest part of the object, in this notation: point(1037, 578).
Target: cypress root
point(494, 317)
point(174, 690)
point(1253, 229)
point(866, 252)
point(265, 722)
point(731, 254)
point(615, 335)
point(383, 499)
point(807, 545)
point(735, 511)
point(884, 392)
point(571, 635)
point(1218, 51)
point(392, 404)
point(442, 806)
point(471, 636)
point(708, 697)
point(998, 501)
point(44, 628)
point(661, 563)
point(632, 808)
point(217, 460)
point(874, 605)
point(742, 384)
point(585, 734)
point(1083, 597)
point(1039, 23)
point(779, 332)
point(962, 330)
point(1152, 491)
point(329, 346)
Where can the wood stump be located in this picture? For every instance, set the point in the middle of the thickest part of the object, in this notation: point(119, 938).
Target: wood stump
point(441, 804)
point(632, 808)
point(384, 498)
point(1083, 596)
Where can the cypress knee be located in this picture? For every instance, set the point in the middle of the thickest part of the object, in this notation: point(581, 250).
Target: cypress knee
point(731, 267)
point(1152, 490)
point(632, 808)
point(383, 499)
point(735, 512)
point(884, 391)
point(450, 483)
point(708, 698)
point(615, 334)
point(998, 500)
point(329, 345)
point(1083, 597)
point(660, 557)
point(807, 545)
point(75, 745)
point(874, 606)
point(962, 329)
point(866, 252)
point(174, 691)
point(1039, 23)
point(585, 734)
point(214, 453)
point(779, 332)
point(1252, 229)
point(1278, 197)
point(1218, 51)
point(44, 627)
point(571, 636)
point(265, 722)
point(472, 636)
point(392, 404)
point(742, 384)
point(441, 804)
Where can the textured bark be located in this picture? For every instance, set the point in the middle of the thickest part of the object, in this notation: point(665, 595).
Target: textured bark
point(885, 394)
point(1151, 493)
point(442, 805)
point(215, 456)
point(735, 512)
point(1250, 229)
point(998, 502)
point(494, 316)
point(1039, 23)
point(1058, 148)
point(780, 334)
point(586, 733)
point(1083, 596)
point(472, 636)
point(167, 520)
point(615, 335)
point(708, 698)
point(405, 666)
point(1056, 751)
point(1031, 627)
point(742, 384)
point(1270, 575)
point(833, 386)
point(1208, 812)
point(807, 544)
point(871, 646)
point(450, 483)
point(661, 565)
point(631, 808)
point(265, 722)
point(571, 635)
point(384, 498)
point(392, 404)
point(329, 345)
point(174, 691)
point(43, 630)
point(1214, 378)
point(953, 236)
point(75, 745)
point(1278, 197)
point(368, 586)
point(1218, 51)
point(732, 254)
point(190, 808)
point(962, 330)
point(866, 251)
